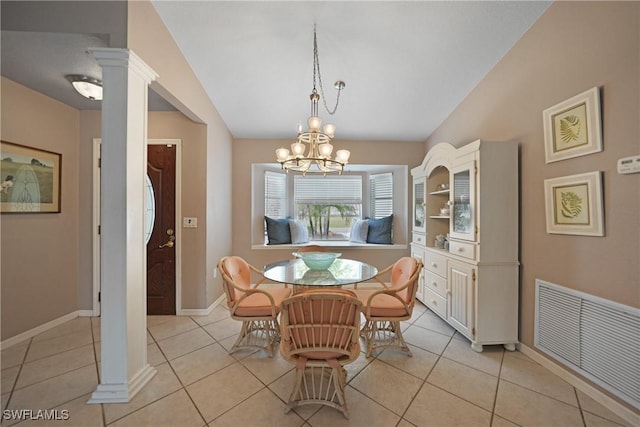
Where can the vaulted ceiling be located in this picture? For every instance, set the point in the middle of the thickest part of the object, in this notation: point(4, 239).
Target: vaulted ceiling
point(406, 64)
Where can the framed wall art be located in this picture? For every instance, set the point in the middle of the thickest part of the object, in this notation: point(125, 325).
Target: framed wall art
point(572, 128)
point(31, 179)
point(573, 204)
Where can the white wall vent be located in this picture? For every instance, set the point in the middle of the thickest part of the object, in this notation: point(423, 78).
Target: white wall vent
point(598, 338)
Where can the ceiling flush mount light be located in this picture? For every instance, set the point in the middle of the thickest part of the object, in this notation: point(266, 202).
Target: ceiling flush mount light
point(86, 86)
point(316, 140)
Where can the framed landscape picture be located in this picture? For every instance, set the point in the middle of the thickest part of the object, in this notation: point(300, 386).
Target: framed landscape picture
point(572, 128)
point(574, 204)
point(30, 179)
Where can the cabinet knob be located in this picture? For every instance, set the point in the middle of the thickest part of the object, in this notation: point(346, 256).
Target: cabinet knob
point(435, 285)
point(434, 302)
point(460, 249)
point(434, 265)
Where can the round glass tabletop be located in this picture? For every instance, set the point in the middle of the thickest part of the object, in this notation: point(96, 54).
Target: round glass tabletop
point(341, 272)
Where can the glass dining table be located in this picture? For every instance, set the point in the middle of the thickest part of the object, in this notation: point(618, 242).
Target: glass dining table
point(341, 272)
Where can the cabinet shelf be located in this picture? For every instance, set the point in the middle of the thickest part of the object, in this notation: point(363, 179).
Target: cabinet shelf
point(439, 216)
point(440, 192)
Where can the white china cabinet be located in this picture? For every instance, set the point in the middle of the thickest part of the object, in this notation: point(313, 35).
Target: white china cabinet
point(465, 230)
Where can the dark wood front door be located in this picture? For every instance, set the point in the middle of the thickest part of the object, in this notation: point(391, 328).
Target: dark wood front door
point(161, 248)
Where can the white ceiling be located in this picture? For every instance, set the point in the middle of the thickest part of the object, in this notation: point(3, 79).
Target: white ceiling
point(406, 65)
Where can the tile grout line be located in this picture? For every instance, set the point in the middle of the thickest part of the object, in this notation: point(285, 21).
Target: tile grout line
point(495, 396)
point(95, 359)
point(13, 388)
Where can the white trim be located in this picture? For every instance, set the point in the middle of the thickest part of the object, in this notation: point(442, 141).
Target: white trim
point(202, 311)
point(38, 329)
point(608, 402)
point(85, 313)
point(122, 393)
point(178, 225)
point(95, 224)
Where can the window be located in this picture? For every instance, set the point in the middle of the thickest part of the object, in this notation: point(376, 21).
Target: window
point(372, 191)
point(328, 204)
point(381, 195)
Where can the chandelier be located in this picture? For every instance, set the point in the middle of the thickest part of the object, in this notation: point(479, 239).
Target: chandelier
point(316, 141)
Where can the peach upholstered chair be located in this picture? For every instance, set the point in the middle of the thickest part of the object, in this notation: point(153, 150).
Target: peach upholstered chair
point(257, 308)
point(385, 308)
point(320, 334)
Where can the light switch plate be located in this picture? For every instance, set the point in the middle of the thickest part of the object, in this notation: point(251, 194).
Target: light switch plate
point(190, 222)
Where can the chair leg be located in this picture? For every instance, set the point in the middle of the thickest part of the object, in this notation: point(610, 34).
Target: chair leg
point(380, 334)
point(260, 334)
point(319, 385)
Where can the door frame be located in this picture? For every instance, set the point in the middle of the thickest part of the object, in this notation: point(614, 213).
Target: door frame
point(96, 219)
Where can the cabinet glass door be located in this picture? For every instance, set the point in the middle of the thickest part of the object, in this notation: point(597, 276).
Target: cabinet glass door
point(418, 205)
point(463, 196)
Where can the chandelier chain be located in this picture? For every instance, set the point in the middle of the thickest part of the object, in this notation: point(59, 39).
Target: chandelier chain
point(316, 66)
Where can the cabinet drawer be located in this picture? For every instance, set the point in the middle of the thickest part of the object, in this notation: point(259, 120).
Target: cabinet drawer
point(419, 238)
point(435, 302)
point(435, 263)
point(436, 283)
point(467, 250)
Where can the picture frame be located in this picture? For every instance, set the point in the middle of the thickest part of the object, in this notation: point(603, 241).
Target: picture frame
point(30, 179)
point(574, 204)
point(573, 127)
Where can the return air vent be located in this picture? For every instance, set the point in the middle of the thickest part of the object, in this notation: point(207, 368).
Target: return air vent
point(598, 338)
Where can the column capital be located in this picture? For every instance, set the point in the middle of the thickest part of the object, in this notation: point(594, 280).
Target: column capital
point(123, 58)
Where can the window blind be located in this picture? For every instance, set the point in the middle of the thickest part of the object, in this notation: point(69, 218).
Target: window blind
point(328, 190)
point(381, 195)
point(275, 194)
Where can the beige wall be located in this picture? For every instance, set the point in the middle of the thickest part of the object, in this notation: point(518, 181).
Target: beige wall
point(571, 48)
point(149, 38)
point(194, 169)
point(40, 251)
point(248, 151)
point(162, 125)
point(62, 282)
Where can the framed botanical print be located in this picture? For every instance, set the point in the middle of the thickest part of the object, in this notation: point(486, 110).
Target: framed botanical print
point(574, 204)
point(572, 128)
point(30, 179)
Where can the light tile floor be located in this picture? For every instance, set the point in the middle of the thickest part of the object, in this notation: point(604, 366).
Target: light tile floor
point(198, 383)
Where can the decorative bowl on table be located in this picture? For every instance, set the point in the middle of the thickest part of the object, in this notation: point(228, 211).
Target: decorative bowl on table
point(317, 260)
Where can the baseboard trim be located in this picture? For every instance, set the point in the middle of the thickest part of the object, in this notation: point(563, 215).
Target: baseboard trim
point(611, 404)
point(38, 330)
point(202, 311)
point(122, 393)
point(85, 313)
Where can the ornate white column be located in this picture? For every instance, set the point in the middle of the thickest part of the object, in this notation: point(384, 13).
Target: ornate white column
point(125, 80)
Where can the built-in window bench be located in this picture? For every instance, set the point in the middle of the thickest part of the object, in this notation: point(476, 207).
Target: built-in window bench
point(337, 244)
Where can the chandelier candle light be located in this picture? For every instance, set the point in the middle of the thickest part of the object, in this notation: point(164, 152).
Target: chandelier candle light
point(318, 159)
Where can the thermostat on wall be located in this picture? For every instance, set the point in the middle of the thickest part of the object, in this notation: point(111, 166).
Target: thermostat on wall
point(629, 164)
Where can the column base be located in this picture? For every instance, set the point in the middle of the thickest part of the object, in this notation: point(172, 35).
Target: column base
point(122, 393)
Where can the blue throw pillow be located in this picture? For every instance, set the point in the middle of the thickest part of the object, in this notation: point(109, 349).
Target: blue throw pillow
point(380, 231)
point(299, 231)
point(359, 231)
point(278, 230)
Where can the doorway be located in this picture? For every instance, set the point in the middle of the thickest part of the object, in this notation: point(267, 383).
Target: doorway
point(164, 158)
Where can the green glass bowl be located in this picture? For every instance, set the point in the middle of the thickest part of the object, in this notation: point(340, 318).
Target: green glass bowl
point(317, 260)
